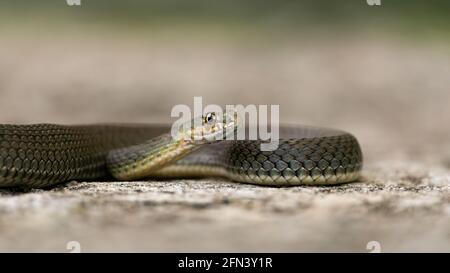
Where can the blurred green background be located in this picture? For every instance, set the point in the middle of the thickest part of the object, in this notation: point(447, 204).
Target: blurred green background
point(413, 18)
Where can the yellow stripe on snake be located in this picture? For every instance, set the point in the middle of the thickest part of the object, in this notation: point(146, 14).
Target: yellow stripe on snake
point(41, 155)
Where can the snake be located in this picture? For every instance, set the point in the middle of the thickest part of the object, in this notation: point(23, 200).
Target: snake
point(44, 155)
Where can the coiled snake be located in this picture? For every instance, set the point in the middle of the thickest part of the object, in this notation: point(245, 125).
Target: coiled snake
point(40, 155)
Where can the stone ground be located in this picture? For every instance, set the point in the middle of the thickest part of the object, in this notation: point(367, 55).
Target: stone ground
point(392, 95)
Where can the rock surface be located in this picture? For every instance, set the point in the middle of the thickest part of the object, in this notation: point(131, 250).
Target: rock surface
point(406, 210)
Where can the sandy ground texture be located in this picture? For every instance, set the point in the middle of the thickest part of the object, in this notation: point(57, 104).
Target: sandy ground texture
point(394, 96)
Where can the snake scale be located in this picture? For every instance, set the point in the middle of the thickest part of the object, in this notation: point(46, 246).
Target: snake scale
point(41, 155)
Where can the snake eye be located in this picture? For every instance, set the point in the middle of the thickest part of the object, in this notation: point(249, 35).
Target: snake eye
point(210, 118)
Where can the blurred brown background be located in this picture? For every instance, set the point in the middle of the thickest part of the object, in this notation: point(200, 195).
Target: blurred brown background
point(380, 72)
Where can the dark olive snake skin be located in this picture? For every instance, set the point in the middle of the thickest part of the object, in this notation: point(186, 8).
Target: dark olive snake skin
point(41, 155)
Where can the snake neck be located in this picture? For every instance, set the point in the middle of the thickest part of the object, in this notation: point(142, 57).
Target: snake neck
point(140, 161)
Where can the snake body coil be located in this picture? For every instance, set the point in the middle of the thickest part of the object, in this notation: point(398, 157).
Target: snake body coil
point(41, 155)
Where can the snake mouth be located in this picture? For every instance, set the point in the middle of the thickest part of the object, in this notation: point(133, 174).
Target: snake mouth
point(223, 128)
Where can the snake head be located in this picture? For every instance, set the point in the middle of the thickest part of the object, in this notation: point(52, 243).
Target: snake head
point(210, 127)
